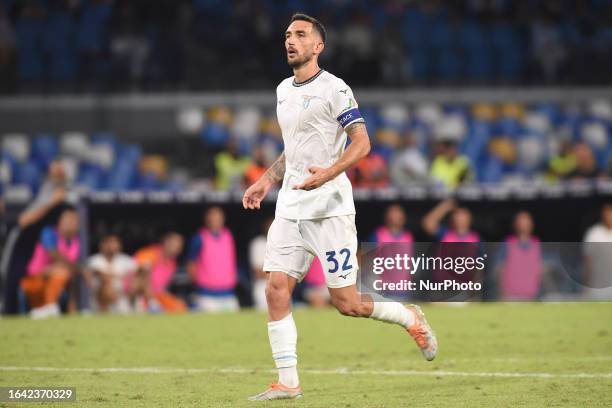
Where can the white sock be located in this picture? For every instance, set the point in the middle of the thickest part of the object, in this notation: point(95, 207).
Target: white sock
point(393, 312)
point(283, 340)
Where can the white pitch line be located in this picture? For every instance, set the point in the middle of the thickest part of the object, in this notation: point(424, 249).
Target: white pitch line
point(337, 371)
point(527, 360)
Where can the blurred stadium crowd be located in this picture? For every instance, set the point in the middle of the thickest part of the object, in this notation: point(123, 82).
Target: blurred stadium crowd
point(430, 144)
point(106, 45)
point(426, 144)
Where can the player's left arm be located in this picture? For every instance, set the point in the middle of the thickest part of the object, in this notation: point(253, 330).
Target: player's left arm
point(358, 149)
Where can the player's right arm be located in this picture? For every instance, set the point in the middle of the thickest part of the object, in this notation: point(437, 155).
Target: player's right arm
point(38, 210)
point(254, 195)
point(431, 221)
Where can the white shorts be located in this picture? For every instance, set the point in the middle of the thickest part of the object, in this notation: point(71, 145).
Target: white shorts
point(292, 244)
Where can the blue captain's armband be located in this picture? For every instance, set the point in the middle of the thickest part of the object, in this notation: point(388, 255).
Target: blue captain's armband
point(349, 116)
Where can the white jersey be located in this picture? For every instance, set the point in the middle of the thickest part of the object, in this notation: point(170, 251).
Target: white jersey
point(312, 116)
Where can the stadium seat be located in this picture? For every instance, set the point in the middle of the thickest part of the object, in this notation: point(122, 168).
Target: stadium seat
point(506, 52)
point(92, 34)
point(7, 169)
point(30, 174)
point(215, 135)
point(59, 46)
point(445, 57)
point(476, 51)
point(29, 33)
point(395, 116)
point(17, 145)
point(44, 149)
point(492, 170)
point(416, 40)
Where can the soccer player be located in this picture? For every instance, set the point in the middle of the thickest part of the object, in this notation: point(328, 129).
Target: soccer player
point(315, 213)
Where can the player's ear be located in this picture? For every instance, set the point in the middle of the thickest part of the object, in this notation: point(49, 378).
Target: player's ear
point(319, 47)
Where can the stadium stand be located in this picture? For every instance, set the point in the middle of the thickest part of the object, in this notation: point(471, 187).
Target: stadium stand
point(109, 45)
point(498, 143)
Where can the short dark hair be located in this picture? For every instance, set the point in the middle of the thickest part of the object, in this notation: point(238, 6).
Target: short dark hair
point(315, 23)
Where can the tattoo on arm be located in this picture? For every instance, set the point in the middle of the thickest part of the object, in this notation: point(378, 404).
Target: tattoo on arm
point(354, 128)
point(276, 172)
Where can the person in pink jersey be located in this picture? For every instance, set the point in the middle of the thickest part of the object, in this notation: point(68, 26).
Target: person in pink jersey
point(212, 264)
point(460, 223)
point(521, 262)
point(156, 268)
point(53, 264)
point(393, 232)
point(464, 242)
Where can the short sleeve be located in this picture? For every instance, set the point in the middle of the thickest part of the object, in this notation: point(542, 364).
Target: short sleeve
point(195, 247)
point(126, 264)
point(442, 230)
point(500, 257)
point(48, 239)
point(343, 105)
point(145, 257)
point(373, 237)
point(96, 262)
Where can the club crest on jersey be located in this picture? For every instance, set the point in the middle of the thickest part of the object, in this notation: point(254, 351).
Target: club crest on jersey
point(306, 100)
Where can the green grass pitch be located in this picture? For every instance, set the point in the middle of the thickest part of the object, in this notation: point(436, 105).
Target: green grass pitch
point(509, 355)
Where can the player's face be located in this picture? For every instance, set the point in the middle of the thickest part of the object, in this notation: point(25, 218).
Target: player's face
point(523, 223)
point(396, 217)
point(215, 219)
point(68, 224)
point(56, 171)
point(462, 220)
point(173, 245)
point(111, 246)
point(302, 43)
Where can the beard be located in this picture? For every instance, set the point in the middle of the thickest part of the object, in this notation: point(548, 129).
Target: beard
point(300, 61)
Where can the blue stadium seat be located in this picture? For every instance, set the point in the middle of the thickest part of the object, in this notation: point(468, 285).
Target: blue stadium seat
point(492, 171)
point(29, 174)
point(508, 127)
point(13, 165)
point(91, 177)
point(215, 134)
point(475, 144)
point(122, 176)
point(59, 46)
point(507, 52)
point(106, 138)
point(551, 110)
point(29, 33)
point(45, 148)
point(476, 51)
point(149, 182)
point(445, 57)
point(416, 40)
point(92, 32)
